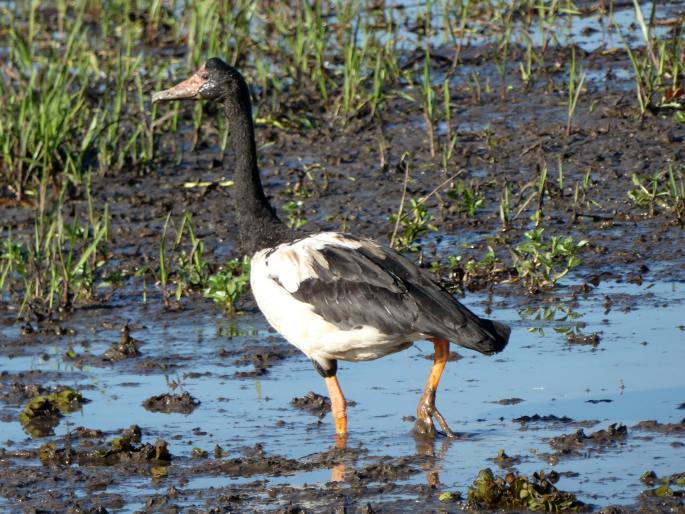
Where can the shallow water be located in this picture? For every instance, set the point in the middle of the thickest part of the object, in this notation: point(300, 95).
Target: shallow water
point(636, 370)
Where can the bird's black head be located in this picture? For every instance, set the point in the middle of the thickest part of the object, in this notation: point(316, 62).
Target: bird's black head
point(214, 81)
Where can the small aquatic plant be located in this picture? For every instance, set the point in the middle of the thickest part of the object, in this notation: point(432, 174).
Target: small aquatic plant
point(541, 262)
point(412, 223)
point(659, 68)
point(294, 211)
point(664, 190)
point(428, 101)
point(226, 286)
point(467, 199)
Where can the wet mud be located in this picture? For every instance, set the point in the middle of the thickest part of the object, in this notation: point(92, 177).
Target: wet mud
point(183, 403)
point(572, 443)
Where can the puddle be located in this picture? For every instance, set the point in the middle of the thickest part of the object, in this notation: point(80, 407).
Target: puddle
point(589, 32)
point(633, 374)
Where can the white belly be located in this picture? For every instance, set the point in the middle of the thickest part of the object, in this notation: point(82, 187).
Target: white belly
point(309, 332)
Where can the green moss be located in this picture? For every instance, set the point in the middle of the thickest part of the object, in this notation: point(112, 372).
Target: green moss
point(121, 444)
point(665, 484)
point(67, 400)
point(449, 497)
point(47, 452)
point(485, 488)
point(51, 454)
point(41, 414)
point(39, 407)
point(199, 452)
point(53, 404)
point(663, 490)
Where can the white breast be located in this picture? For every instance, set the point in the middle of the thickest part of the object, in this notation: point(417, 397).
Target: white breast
point(276, 273)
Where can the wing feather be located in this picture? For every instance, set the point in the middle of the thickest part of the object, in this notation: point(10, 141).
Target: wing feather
point(354, 282)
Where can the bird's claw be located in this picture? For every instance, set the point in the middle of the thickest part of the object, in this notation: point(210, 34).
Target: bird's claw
point(424, 421)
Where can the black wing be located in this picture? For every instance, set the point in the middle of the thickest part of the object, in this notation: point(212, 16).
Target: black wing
point(376, 286)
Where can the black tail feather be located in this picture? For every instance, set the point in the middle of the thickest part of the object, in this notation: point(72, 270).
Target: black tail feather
point(498, 335)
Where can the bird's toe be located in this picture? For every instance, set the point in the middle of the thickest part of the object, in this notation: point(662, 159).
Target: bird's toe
point(424, 421)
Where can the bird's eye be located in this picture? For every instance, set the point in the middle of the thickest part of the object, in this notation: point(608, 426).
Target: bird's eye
point(205, 76)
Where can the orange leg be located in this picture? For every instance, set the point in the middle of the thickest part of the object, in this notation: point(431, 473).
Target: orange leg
point(426, 410)
point(338, 406)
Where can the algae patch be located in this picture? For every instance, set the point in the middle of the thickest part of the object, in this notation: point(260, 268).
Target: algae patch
point(121, 450)
point(666, 485)
point(519, 491)
point(42, 413)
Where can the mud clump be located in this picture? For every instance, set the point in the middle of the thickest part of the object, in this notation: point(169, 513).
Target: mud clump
point(262, 358)
point(181, 403)
point(254, 462)
point(85, 433)
point(386, 470)
point(42, 413)
point(571, 443)
point(653, 425)
point(588, 339)
point(536, 418)
point(519, 491)
point(126, 348)
point(451, 357)
point(509, 401)
point(313, 403)
point(537, 422)
point(16, 392)
point(121, 451)
point(133, 433)
point(124, 451)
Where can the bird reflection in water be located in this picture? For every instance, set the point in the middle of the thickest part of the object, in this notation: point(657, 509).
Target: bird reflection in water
point(428, 447)
point(433, 448)
point(338, 471)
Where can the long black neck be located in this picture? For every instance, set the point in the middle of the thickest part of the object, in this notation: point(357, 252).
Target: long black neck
point(258, 224)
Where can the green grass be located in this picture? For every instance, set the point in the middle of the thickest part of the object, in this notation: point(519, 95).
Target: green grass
point(77, 102)
point(575, 87)
point(59, 263)
point(659, 67)
point(664, 191)
point(78, 74)
point(182, 266)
